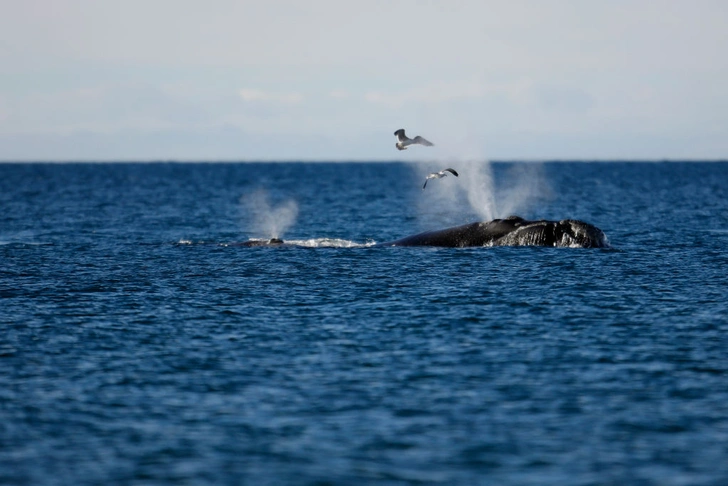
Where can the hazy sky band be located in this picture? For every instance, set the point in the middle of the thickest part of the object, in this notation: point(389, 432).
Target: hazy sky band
point(333, 80)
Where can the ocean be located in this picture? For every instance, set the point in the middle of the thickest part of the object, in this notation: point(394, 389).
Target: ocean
point(141, 345)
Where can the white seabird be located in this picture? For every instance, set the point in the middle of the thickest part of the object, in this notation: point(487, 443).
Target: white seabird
point(439, 175)
point(403, 141)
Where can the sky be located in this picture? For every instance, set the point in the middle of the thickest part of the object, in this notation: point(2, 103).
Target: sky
point(333, 79)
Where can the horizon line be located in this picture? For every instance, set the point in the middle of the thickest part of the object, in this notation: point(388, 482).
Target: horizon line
point(347, 161)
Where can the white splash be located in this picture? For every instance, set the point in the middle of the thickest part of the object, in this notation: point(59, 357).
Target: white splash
point(269, 220)
point(523, 187)
point(516, 193)
point(329, 243)
point(310, 243)
point(479, 187)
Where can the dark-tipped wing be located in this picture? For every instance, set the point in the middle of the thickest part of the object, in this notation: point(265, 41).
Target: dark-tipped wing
point(422, 141)
point(425, 184)
point(400, 134)
point(452, 171)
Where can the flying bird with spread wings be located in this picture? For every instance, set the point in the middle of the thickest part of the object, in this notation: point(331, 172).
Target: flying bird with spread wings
point(439, 175)
point(403, 141)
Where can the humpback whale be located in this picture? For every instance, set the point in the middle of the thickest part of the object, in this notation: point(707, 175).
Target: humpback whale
point(510, 231)
point(271, 242)
point(403, 141)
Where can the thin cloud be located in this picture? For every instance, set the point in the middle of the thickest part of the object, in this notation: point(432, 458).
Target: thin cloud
point(339, 94)
point(253, 95)
point(445, 92)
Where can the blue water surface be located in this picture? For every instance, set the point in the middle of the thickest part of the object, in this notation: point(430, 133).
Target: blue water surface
point(140, 345)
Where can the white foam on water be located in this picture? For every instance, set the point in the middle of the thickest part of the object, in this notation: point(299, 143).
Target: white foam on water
point(328, 243)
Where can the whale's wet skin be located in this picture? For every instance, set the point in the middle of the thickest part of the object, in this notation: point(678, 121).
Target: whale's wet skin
point(511, 231)
point(270, 242)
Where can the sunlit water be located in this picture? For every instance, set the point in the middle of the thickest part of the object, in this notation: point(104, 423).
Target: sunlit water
point(141, 345)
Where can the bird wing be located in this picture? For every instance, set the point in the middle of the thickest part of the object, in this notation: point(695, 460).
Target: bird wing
point(425, 183)
point(400, 134)
point(452, 171)
point(422, 141)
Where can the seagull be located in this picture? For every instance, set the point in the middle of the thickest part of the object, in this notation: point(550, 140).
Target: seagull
point(439, 175)
point(403, 141)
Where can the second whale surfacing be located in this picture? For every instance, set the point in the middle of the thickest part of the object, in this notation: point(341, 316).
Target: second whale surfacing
point(511, 231)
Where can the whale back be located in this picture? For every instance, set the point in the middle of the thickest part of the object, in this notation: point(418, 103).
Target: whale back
point(512, 231)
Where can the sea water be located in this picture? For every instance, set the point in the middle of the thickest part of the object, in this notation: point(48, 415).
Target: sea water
point(140, 345)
